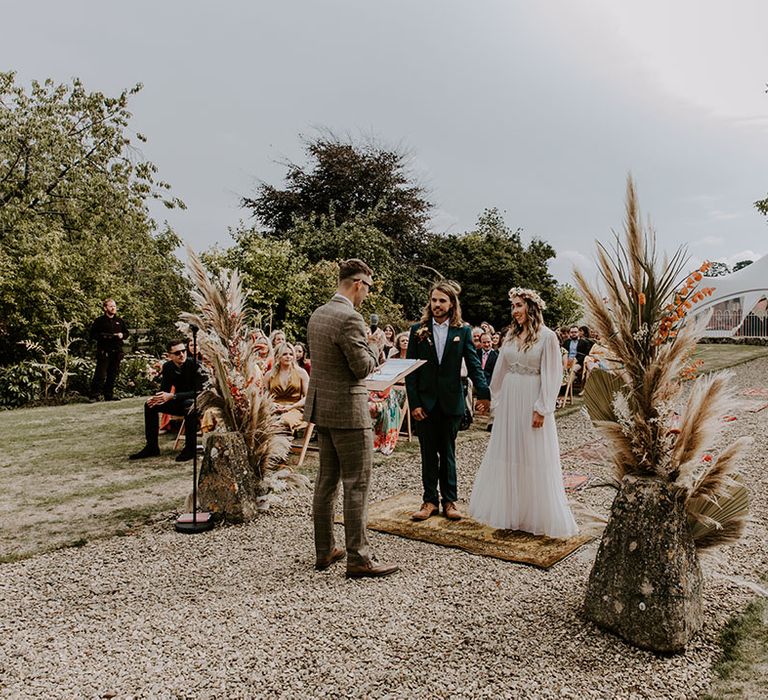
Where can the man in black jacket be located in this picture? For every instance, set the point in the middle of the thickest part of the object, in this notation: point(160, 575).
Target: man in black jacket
point(109, 331)
point(176, 397)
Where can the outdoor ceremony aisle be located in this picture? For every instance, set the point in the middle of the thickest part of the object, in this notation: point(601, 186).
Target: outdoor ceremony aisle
point(240, 613)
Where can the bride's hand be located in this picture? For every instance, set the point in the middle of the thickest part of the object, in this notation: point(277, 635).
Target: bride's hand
point(538, 420)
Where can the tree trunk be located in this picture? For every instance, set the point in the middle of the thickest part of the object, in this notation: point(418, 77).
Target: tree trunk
point(227, 486)
point(646, 584)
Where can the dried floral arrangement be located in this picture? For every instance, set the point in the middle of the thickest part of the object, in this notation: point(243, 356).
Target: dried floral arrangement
point(653, 429)
point(226, 343)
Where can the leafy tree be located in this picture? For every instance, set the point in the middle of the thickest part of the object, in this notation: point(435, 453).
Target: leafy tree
point(487, 262)
point(568, 304)
point(341, 180)
point(74, 223)
point(717, 269)
point(741, 265)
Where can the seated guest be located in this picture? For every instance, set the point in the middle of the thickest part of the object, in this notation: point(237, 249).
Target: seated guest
point(578, 348)
point(182, 375)
point(400, 348)
point(287, 384)
point(386, 409)
point(276, 338)
point(266, 357)
point(300, 353)
point(389, 339)
point(487, 355)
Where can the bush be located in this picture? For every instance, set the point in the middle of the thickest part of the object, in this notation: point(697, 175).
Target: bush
point(20, 384)
point(138, 374)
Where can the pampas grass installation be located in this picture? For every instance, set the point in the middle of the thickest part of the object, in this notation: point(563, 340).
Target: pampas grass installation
point(639, 310)
point(227, 344)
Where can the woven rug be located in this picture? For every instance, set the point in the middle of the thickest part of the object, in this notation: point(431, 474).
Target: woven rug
point(590, 453)
point(393, 516)
point(758, 391)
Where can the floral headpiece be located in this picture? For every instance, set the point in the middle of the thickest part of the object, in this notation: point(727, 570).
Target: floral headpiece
point(529, 294)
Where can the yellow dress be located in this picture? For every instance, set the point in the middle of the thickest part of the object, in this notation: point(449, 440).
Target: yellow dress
point(285, 395)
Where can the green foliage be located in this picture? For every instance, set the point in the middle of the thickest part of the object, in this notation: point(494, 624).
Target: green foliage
point(20, 384)
point(74, 223)
point(717, 269)
point(741, 265)
point(341, 180)
point(487, 262)
point(567, 305)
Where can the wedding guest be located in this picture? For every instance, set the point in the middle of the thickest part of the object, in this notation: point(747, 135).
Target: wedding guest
point(276, 338)
point(519, 485)
point(108, 331)
point(389, 334)
point(181, 376)
point(400, 349)
point(287, 384)
point(265, 354)
point(436, 397)
point(337, 403)
point(495, 340)
point(476, 333)
point(300, 352)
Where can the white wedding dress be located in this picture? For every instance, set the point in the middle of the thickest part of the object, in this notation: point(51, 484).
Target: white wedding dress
point(519, 485)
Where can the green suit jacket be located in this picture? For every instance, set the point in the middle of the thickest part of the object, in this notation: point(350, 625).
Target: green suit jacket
point(439, 383)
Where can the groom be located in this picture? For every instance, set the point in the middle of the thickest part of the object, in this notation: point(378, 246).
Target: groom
point(435, 394)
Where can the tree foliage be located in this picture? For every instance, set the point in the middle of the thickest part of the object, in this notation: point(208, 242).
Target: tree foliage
point(741, 265)
point(487, 262)
point(74, 222)
point(717, 269)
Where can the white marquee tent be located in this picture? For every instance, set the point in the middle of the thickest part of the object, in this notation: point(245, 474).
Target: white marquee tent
point(738, 306)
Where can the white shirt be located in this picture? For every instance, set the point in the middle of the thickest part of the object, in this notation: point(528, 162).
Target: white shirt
point(440, 335)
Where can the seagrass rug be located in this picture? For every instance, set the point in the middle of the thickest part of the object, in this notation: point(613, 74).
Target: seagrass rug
point(393, 516)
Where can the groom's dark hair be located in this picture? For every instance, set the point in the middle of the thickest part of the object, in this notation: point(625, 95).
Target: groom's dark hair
point(452, 290)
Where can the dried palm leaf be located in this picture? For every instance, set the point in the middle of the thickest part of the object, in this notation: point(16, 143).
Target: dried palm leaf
point(599, 394)
point(717, 523)
point(718, 478)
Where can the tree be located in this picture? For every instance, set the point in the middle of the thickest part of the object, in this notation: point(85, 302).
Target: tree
point(568, 305)
point(487, 262)
point(718, 269)
point(741, 265)
point(74, 223)
point(353, 200)
point(341, 180)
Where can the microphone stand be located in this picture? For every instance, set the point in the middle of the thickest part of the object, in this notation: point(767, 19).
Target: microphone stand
point(193, 522)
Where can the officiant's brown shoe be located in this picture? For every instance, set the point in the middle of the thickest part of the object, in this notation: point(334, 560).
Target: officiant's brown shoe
point(451, 511)
point(335, 555)
point(371, 569)
point(427, 510)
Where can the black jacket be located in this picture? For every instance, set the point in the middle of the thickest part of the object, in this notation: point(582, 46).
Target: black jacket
point(182, 379)
point(583, 346)
point(490, 363)
point(104, 331)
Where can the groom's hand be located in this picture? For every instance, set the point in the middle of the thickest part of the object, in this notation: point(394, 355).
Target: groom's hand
point(418, 413)
point(483, 407)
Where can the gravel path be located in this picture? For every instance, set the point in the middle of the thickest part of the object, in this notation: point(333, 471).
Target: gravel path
point(240, 613)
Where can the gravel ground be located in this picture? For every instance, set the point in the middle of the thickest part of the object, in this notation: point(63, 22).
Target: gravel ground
point(240, 613)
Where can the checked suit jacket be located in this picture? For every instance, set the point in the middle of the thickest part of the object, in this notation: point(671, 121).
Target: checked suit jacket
point(439, 383)
point(341, 359)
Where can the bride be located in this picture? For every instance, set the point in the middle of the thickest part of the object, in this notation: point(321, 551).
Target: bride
point(519, 485)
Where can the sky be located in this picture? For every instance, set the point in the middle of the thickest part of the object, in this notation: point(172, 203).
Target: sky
point(540, 109)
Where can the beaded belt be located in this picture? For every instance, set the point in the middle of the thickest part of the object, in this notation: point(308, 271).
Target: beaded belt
point(517, 368)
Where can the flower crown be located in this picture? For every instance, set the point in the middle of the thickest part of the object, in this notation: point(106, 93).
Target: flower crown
point(529, 294)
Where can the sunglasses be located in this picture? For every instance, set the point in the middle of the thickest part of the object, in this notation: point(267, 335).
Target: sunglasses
point(358, 279)
point(178, 352)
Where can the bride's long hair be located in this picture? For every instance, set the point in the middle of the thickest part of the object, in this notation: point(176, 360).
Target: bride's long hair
point(534, 305)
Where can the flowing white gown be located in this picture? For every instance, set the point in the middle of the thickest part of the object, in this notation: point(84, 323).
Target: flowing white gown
point(519, 485)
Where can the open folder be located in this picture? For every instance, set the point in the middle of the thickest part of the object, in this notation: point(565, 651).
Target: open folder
point(391, 372)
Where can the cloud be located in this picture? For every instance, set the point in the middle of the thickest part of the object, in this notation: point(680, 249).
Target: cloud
point(562, 266)
point(709, 240)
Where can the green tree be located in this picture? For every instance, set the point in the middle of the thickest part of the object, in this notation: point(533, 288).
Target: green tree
point(741, 265)
point(74, 222)
point(568, 305)
point(717, 269)
point(487, 262)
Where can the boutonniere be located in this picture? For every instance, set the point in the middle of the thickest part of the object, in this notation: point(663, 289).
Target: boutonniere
point(423, 334)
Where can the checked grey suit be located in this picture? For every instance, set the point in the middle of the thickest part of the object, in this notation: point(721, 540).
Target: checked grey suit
point(337, 403)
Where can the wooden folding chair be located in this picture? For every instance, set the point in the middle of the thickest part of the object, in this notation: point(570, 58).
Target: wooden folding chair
point(308, 430)
point(182, 430)
point(568, 395)
point(405, 417)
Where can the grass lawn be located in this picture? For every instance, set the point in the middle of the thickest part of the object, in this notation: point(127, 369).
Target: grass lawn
point(718, 357)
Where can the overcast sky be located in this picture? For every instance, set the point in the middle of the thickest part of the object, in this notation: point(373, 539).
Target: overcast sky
point(537, 108)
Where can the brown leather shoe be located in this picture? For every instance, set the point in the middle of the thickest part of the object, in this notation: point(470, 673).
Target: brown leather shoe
point(451, 511)
point(335, 555)
point(371, 569)
point(427, 511)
